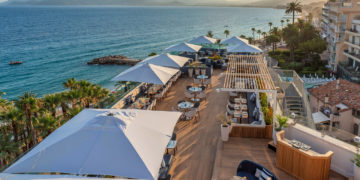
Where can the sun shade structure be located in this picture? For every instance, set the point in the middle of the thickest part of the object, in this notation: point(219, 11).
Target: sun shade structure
point(184, 47)
point(243, 48)
point(234, 41)
point(167, 60)
point(125, 143)
point(319, 117)
point(248, 73)
point(6, 176)
point(203, 40)
point(147, 73)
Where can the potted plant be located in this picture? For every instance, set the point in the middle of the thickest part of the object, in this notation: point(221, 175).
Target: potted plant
point(190, 70)
point(356, 160)
point(225, 127)
point(281, 122)
point(197, 71)
point(356, 167)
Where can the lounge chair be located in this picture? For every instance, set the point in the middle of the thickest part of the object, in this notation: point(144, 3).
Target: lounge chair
point(191, 114)
point(253, 171)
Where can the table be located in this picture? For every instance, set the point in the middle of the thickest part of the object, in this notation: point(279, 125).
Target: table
point(171, 146)
point(195, 89)
point(202, 77)
point(185, 105)
point(195, 99)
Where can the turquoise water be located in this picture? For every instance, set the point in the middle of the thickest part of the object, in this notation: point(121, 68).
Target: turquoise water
point(56, 42)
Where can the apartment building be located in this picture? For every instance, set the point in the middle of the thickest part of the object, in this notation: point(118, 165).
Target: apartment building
point(336, 24)
point(340, 101)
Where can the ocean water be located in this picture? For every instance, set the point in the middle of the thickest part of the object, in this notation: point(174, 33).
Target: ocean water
point(56, 42)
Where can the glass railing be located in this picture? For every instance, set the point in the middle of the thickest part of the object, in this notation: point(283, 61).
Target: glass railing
point(116, 95)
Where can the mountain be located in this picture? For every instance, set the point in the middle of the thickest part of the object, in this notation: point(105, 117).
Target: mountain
point(252, 3)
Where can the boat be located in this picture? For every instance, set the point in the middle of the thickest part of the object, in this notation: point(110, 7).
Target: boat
point(15, 62)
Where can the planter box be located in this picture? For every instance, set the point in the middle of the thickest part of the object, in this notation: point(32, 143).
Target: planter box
point(190, 72)
point(225, 131)
point(269, 131)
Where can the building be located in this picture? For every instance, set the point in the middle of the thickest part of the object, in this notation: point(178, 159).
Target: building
point(350, 68)
point(340, 21)
point(340, 101)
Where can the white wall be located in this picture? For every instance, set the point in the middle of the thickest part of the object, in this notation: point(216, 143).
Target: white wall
point(343, 152)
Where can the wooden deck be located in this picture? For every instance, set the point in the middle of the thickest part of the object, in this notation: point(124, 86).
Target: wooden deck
point(197, 141)
point(200, 152)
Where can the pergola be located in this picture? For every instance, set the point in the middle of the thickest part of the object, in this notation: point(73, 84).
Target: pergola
point(249, 73)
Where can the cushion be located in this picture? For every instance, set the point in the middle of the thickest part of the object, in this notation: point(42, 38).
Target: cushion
point(258, 173)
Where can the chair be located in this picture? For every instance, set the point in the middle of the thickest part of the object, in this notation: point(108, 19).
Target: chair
point(197, 81)
point(190, 114)
point(188, 87)
point(196, 105)
point(173, 137)
point(207, 82)
point(249, 170)
point(188, 95)
point(203, 88)
point(201, 95)
point(181, 101)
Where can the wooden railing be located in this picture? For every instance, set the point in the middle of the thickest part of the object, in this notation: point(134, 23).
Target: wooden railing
point(299, 163)
point(251, 131)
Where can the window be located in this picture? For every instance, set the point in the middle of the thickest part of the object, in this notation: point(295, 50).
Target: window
point(356, 129)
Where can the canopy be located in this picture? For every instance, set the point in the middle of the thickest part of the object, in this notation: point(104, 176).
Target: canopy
point(167, 60)
point(203, 40)
point(234, 40)
point(6, 176)
point(126, 143)
point(147, 73)
point(184, 47)
point(243, 48)
point(319, 117)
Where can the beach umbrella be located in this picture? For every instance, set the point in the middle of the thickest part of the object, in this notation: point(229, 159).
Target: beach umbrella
point(166, 60)
point(147, 73)
point(243, 48)
point(203, 40)
point(184, 47)
point(126, 143)
point(234, 41)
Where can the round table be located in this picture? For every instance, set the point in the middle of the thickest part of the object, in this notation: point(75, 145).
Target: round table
point(195, 89)
point(202, 77)
point(185, 105)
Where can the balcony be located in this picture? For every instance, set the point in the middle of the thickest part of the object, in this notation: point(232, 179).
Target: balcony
point(353, 32)
point(352, 55)
point(353, 44)
point(348, 73)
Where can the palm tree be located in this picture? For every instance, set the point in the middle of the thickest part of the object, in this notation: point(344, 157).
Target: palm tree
point(293, 7)
point(264, 34)
point(282, 23)
point(71, 83)
point(47, 124)
point(13, 115)
point(3, 102)
point(63, 102)
point(253, 31)
point(51, 102)
point(301, 23)
point(7, 149)
point(218, 42)
point(250, 39)
point(242, 36)
point(270, 24)
point(210, 34)
point(291, 37)
point(287, 21)
point(28, 104)
point(152, 54)
point(226, 32)
point(259, 32)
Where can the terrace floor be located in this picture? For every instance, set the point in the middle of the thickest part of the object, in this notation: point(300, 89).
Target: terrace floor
point(200, 152)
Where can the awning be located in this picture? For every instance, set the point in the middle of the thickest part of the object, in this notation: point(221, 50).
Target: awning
point(342, 106)
point(147, 73)
point(319, 117)
point(243, 48)
point(234, 41)
point(203, 40)
point(126, 143)
point(166, 60)
point(183, 47)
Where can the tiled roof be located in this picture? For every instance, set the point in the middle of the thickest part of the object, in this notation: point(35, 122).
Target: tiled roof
point(347, 93)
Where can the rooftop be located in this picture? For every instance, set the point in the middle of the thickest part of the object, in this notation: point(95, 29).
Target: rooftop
point(339, 91)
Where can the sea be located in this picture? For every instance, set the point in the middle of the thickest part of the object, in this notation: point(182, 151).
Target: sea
point(55, 43)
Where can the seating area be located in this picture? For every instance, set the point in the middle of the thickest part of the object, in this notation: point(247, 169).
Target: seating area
point(242, 108)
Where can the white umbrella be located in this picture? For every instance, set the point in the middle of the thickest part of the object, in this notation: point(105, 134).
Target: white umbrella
point(147, 73)
point(203, 40)
point(184, 47)
point(243, 48)
point(166, 60)
point(234, 40)
point(126, 143)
